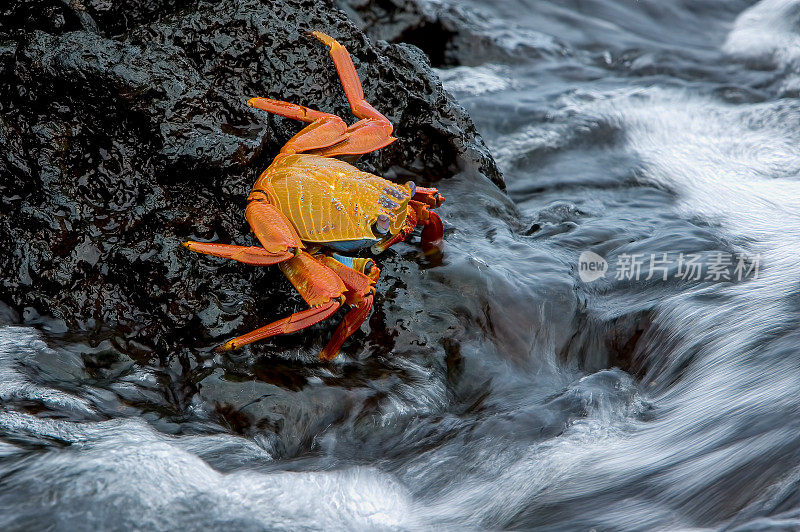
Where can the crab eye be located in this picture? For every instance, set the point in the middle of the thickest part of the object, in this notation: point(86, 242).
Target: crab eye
point(368, 266)
point(412, 186)
point(381, 225)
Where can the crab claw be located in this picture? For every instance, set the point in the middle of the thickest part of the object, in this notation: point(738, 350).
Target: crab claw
point(429, 196)
point(432, 228)
point(411, 223)
point(433, 232)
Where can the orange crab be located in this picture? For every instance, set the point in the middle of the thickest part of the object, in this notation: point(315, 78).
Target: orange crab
point(307, 206)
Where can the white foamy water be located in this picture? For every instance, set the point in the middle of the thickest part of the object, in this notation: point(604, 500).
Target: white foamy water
point(123, 474)
point(736, 168)
point(770, 30)
point(22, 355)
point(727, 164)
point(475, 80)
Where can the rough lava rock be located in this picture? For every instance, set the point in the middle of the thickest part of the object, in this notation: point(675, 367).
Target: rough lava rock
point(124, 132)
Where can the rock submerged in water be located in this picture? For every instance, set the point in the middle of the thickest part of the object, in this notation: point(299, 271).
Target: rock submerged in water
point(124, 131)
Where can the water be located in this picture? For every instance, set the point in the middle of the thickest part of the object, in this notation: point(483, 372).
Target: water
point(630, 127)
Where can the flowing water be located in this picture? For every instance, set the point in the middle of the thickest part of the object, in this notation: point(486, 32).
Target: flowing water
point(630, 129)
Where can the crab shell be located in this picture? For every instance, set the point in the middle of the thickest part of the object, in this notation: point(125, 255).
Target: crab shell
point(332, 203)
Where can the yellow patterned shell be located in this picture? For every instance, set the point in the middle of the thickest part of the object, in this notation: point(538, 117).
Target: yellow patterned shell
point(328, 200)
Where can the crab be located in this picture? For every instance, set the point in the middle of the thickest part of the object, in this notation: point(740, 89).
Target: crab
point(308, 209)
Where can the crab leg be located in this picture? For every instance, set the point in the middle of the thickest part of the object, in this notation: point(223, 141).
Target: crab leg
point(253, 255)
point(364, 136)
point(320, 134)
point(321, 288)
point(293, 323)
point(270, 225)
point(373, 131)
point(351, 323)
point(289, 110)
point(360, 294)
point(327, 134)
point(350, 80)
point(277, 237)
point(323, 130)
point(316, 283)
point(358, 284)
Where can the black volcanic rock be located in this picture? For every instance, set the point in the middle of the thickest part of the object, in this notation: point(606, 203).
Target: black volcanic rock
point(124, 132)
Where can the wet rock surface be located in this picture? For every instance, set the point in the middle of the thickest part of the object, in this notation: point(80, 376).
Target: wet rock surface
point(124, 131)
